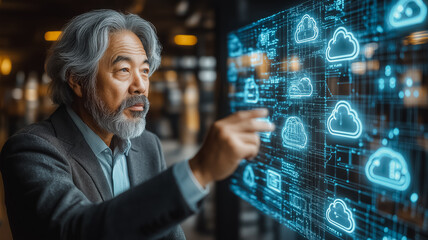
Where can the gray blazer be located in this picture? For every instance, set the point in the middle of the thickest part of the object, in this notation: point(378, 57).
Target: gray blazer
point(55, 187)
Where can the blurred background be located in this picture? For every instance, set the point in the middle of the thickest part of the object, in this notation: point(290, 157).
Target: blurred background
point(187, 93)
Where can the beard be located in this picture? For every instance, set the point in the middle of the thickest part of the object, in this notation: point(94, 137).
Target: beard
point(115, 121)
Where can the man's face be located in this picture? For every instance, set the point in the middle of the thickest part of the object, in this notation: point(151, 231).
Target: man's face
point(123, 72)
point(119, 103)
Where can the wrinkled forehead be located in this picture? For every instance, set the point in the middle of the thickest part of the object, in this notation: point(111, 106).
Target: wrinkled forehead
point(124, 46)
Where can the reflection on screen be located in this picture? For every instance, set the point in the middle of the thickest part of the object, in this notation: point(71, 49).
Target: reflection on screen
point(346, 85)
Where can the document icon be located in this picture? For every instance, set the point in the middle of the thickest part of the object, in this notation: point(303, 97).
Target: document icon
point(273, 181)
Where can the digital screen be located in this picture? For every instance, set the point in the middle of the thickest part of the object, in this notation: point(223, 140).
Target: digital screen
point(346, 85)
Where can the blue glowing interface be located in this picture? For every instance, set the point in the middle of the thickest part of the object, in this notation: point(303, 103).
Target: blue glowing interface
point(346, 83)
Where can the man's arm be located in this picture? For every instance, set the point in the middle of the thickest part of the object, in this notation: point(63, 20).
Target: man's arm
point(43, 201)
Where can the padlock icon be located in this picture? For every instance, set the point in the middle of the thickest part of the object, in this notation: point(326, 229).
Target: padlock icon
point(251, 91)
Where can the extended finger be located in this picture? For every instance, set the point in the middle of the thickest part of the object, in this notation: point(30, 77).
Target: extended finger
point(248, 114)
point(255, 125)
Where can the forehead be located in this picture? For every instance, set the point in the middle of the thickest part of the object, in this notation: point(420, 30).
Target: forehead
point(124, 42)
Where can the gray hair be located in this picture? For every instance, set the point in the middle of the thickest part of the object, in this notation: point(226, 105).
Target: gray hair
point(84, 41)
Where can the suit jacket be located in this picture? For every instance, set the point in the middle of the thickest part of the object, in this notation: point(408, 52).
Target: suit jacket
point(55, 187)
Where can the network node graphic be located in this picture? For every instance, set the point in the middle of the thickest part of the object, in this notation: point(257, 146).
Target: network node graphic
point(344, 121)
point(300, 88)
point(343, 46)
point(307, 30)
point(388, 168)
point(340, 216)
point(232, 72)
point(273, 180)
point(293, 133)
point(268, 41)
point(234, 46)
point(407, 12)
point(249, 177)
point(251, 91)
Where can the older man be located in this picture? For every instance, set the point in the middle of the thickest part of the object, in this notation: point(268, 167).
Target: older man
point(90, 171)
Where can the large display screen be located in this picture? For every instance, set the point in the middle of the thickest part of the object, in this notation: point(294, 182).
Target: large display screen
point(346, 85)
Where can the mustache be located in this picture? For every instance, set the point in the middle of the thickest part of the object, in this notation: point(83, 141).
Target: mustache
point(133, 100)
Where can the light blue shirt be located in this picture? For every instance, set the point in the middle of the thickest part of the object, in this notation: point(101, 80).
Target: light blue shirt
point(115, 167)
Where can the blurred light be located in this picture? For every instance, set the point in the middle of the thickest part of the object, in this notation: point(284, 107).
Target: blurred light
point(416, 38)
point(171, 76)
point(401, 94)
point(188, 62)
point(388, 70)
point(407, 92)
point(6, 66)
point(17, 93)
point(51, 36)
point(416, 93)
point(381, 83)
point(358, 68)
point(384, 141)
point(396, 131)
point(207, 62)
point(194, 19)
point(185, 40)
point(295, 65)
point(414, 197)
point(207, 75)
point(182, 8)
point(409, 82)
point(392, 82)
point(370, 49)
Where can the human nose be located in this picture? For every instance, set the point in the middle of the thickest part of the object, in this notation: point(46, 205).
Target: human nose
point(139, 85)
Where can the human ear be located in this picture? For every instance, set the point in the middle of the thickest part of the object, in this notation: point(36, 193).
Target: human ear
point(75, 86)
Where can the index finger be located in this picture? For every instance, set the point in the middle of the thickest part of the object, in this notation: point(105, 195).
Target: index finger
point(248, 114)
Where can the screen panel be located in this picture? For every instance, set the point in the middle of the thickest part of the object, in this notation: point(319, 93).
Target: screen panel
point(345, 83)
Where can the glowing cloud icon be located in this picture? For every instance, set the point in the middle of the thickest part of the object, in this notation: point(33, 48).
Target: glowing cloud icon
point(293, 133)
point(249, 177)
point(407, 12)
point(388, 168)
point(234, 46)
point(301, 88)
point(344, 121)
point(340, 216)
point(343, 46)
point(251, 91)
point(307, 30)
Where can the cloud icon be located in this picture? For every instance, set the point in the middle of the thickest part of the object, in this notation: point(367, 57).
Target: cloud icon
point(344, 121)
point(251, 91)
point(249, 177)
point(343, 46)
point(388, 168)
point(293, 133)
point(234, 46)
point(340, 216)
point(307, 30)
point(407, 12)
point(301, 88)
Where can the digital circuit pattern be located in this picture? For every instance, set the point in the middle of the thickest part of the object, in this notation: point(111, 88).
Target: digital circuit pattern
point(346, 84)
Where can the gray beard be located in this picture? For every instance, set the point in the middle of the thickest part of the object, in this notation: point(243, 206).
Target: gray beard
point(116, 122)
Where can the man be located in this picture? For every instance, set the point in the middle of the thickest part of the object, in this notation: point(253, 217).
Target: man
point(90, 171)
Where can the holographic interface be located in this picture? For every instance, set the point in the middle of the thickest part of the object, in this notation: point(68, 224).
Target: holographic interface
point(346, 84)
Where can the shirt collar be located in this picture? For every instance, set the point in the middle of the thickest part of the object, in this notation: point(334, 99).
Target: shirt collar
point(94, 141)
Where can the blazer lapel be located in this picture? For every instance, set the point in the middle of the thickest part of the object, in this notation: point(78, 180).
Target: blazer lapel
point(135, 166)
point(68, 132)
